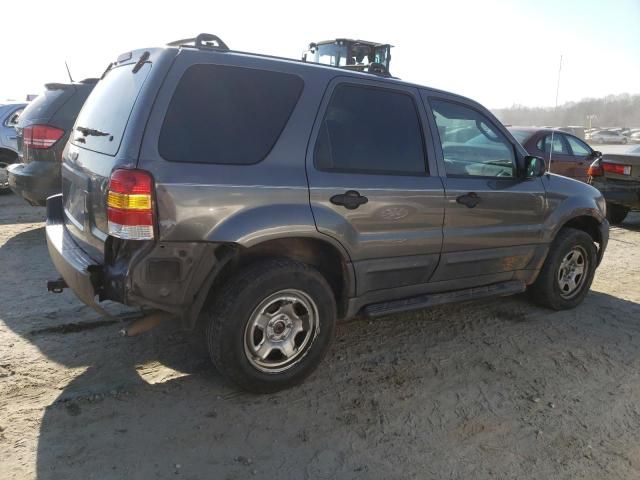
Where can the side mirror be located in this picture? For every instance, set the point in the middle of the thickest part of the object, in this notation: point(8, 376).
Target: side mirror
point(534, 167)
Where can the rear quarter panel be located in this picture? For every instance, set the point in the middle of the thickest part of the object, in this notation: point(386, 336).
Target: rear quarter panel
point(245, 204)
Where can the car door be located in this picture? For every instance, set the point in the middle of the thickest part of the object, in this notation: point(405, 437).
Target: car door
point(373, 182)
point(582, 156)
point(493, 219)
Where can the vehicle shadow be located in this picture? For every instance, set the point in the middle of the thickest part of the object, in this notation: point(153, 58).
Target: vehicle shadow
point(421, 384)
point(632, 222)
point(14, 210)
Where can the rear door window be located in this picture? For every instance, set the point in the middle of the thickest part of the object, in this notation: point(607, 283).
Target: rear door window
point(227, 115)
point(370, 130)
point(560, 145)
point(104, 116)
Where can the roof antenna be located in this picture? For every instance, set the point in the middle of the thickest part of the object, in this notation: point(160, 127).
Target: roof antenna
point(555, 112)
point(68, 71)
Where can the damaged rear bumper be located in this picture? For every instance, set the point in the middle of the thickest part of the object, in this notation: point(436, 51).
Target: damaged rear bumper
point(78, 269)
point(174, 277)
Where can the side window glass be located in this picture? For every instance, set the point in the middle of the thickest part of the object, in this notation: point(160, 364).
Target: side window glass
point(226, 115)
point(370, 130)
point(471, 145)
point(559, 145)
point(579, 148)
point(12, 121)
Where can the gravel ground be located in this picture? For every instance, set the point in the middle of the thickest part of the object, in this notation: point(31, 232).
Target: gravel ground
point(496, 389)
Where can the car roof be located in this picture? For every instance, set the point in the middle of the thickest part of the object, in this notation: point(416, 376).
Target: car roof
point(285, 62)
point(533, 130)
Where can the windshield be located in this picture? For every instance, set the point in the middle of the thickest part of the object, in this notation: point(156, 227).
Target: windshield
point(331, 54)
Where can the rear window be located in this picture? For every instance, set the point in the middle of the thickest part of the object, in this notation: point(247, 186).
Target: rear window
point(104, 116)
point(227, 115)
point(46, 104)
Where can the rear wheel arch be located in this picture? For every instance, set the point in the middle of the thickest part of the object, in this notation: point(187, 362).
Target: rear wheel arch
point(325, 257)
point(10, 154)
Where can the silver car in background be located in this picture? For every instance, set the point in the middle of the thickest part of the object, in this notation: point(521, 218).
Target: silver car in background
point(607, 136)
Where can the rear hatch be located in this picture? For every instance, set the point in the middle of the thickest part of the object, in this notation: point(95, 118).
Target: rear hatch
point(100, 142)
point(41, 111)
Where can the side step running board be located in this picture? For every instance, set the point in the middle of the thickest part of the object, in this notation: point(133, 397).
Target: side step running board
point(424, 301)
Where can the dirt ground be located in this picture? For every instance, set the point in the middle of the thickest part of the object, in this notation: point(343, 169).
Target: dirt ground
point(497, 389)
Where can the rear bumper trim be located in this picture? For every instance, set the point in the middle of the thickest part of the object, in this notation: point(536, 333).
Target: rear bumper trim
point(35, 181)
point(72, 263)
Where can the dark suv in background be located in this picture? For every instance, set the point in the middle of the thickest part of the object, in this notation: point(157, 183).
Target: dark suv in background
point(257, 200)
point(42, 132)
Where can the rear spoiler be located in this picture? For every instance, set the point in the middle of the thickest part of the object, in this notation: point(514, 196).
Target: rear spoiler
point(57, 86)
point(64, 86)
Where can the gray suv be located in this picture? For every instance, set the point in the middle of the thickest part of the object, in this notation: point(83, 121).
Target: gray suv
point(257, 200)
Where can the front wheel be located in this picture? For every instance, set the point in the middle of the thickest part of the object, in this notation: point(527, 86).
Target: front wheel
point(271, 325)
point(567, 272)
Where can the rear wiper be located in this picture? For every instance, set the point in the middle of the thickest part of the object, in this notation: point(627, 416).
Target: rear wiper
point(91, 131)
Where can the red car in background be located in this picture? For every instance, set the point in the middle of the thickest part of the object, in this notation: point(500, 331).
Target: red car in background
point(570, 156)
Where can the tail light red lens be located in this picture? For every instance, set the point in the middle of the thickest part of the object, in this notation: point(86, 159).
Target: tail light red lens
point(595, 169)
point(41, 136)
point(129, 205)
point(616, 168)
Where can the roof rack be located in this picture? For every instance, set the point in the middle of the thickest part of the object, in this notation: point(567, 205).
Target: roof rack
point(204, 40)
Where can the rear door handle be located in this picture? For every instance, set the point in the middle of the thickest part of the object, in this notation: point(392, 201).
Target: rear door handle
point(470, 199)
point(349, 199)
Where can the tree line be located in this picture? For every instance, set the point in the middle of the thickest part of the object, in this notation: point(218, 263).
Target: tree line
point(611, 111)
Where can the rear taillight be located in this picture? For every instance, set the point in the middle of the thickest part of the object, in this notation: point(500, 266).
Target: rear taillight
point(129, 205)
point(595, 169)
point(617, 168)
point(41, 136)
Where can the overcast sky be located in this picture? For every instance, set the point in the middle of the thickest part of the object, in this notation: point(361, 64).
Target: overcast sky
point(498, 52)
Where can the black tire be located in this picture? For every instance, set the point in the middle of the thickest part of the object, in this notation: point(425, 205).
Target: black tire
point(616, 213)
point(234, 306)
point(546, 290)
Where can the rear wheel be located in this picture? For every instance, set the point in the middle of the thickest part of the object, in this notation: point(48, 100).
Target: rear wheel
point(271, 325)
point(567, 272)
point(616, 213)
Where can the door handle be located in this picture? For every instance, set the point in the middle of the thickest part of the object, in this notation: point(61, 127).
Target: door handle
point(349, 199)
point(470, 199)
